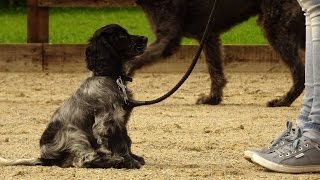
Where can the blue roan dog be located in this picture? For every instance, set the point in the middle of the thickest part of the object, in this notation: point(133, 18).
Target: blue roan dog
point(89, 129)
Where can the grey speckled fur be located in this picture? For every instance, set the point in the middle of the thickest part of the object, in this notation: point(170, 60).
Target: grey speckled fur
point(89, 129)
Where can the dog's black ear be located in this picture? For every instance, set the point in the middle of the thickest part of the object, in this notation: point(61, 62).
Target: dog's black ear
point(99, 59)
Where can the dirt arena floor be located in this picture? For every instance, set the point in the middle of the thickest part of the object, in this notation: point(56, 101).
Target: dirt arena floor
point(178, 139)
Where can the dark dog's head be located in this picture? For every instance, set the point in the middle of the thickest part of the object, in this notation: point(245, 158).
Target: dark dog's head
point(110, 47)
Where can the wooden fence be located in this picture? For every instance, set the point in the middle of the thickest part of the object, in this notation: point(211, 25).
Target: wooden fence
point(39, 56)
point(38, 14)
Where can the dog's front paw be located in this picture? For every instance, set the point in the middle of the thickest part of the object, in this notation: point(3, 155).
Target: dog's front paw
point(211, 100)
point(278, 103)
point(138, 158)
point(133, 164)
point(103, 161)
point(130, 163)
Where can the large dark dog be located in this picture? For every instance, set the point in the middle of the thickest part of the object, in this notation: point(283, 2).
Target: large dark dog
point(89, 129)
point(281, 20)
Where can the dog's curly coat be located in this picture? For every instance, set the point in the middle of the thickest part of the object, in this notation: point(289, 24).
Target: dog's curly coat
point(281, 20)
point(89, 129)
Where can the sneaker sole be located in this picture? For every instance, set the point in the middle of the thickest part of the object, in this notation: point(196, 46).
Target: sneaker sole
point(248, 155)
point(284, 168)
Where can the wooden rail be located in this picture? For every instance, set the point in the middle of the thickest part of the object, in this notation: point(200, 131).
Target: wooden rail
point(43, 57)
point(38, 14)
point(86, 3)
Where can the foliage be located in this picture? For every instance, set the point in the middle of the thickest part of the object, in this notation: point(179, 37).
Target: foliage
point(12, 3)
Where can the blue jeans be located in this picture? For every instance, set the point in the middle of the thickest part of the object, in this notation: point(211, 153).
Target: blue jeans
point(310, 112)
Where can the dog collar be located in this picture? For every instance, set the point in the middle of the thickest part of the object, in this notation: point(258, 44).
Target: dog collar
point(123, 88)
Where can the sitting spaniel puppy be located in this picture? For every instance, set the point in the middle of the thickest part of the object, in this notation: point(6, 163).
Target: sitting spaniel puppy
point(89, 129)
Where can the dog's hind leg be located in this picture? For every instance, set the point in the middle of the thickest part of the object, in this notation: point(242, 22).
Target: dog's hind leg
point(285, 35)
point(296, 66)
point(214, 62)
point(73, 148)
point(97, 160)
point(84, 155)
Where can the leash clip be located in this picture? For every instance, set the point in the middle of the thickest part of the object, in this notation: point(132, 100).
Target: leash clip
point(123, 88)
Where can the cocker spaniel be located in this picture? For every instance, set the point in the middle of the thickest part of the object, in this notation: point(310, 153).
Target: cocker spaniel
point(89, 129)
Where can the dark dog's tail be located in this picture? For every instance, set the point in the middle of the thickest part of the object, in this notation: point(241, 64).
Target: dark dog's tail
point(25, 162)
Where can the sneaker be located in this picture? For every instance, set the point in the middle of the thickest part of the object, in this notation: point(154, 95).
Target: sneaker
point(283, 139)
point(300, 156)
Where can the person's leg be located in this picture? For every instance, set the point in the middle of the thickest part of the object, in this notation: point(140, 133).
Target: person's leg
point(287, 136)
point(303, 154)
point(312, 128)
point(309, 88)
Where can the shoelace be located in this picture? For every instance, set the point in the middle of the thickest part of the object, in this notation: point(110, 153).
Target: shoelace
point(293, 147)
point(287, 134)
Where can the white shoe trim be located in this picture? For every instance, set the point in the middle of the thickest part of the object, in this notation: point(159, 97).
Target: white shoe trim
point(284, 168)
point(248, 154)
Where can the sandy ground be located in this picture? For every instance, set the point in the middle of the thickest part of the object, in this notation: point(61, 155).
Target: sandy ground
point(178, 139)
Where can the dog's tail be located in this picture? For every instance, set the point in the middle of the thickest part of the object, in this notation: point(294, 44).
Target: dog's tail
point(24, 162)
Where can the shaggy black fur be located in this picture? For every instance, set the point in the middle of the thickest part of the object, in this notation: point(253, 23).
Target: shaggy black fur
point(89, 129)
point(282, 22)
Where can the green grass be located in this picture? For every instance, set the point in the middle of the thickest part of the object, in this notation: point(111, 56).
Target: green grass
point(245, 33)
point(76, 25)
point(13, 26)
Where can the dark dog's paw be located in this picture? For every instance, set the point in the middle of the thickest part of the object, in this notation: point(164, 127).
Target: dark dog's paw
point(138, 158)
point(211, 100)
point(129, 163)
point(133, 164)
point(278, 103)
point(105, 162)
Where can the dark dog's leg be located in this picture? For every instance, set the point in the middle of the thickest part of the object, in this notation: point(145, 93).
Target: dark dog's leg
point(292, 60)
point(215, 67)
point(161, 48)
point(112, 135)
point(166, 18)
point(287, 44)
point(134, 156)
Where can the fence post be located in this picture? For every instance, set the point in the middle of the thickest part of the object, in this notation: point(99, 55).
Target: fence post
point(38, 23)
